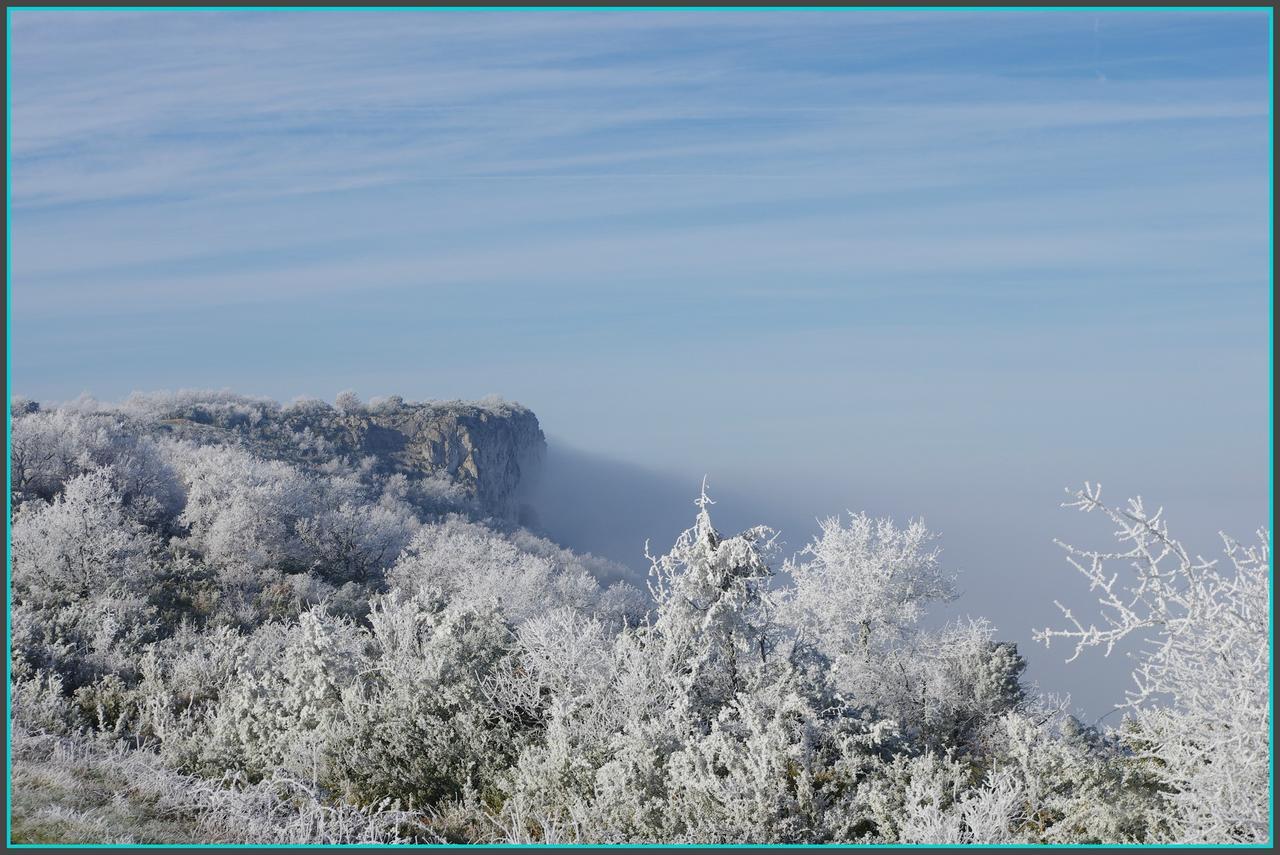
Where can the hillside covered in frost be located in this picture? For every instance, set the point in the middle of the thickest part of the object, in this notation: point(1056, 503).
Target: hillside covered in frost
point(237, 621)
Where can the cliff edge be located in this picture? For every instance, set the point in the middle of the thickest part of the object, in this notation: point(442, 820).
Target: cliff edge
point(489, 449)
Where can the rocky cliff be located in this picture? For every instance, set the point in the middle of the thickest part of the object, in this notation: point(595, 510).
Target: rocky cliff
point(489, 450)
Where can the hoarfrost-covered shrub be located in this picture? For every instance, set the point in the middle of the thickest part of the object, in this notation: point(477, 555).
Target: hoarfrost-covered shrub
point(420, 727)
point(868, 580)
point(470, 562)
point(41, 705)
point(941, 804)
point(1201, 703)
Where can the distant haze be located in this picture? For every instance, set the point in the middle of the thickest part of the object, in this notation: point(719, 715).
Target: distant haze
point(920, 264)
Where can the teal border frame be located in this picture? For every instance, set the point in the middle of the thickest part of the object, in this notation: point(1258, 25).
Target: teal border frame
point(1010, 9)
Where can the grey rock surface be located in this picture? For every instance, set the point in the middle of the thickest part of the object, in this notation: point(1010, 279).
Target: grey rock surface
point(490, 450)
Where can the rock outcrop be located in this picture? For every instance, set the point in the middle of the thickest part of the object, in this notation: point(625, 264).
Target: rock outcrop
point(489, 450)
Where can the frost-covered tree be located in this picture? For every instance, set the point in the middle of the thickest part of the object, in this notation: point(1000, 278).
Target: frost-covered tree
point(79, 545)
point(242, 510)
point(777, 766)
point(45, 451)
point(348, 402)
point(714, 610)
point(1079, 784)
point(82, 572)
point(354, 536)
point(49, 448)
point(942, 689)
point(933, 799)
point(561, 680)
point(861, 586)
point(858, 593)
point(1200, 705)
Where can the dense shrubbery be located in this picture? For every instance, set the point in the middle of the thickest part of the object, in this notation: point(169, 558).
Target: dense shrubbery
point(281, 652)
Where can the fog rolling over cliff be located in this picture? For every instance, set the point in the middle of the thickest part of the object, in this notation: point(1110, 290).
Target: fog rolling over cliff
point(605, 506)
point(611, 507)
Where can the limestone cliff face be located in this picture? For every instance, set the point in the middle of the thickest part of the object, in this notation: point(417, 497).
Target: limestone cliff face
point(488, 451)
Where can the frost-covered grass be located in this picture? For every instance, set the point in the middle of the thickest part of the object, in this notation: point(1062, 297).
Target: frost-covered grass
point(81, 790)
point(65, 791)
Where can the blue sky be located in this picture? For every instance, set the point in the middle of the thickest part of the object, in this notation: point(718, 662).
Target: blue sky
point(940, 263)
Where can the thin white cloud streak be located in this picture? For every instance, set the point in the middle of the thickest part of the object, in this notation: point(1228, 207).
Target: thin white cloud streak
point(708, 255)
point(375, 112)
point(196, 237)
point(252, 164)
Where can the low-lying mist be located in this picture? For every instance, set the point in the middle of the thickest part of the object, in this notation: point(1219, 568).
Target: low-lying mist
point(997, 537)
point(611, 507)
